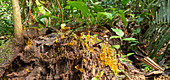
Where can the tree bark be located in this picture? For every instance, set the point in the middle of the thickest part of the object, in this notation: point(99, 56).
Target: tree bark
point(18, 30)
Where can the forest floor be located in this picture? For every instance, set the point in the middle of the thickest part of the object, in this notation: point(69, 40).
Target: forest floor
point(69, 55)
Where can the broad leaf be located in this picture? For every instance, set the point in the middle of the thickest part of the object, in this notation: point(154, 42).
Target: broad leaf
point(124, 2)
point(118, 32)
point(122, 16)
point(114, 37)
point(103, 15)
point(98, 7)
point(42, 9)
point(94, 78)
point(129, 54)
point(101, 73)
point(69, 7)
point(45, 21)
point(83, 8)
point(115, 46)
point(129, 39)
point(123, 56)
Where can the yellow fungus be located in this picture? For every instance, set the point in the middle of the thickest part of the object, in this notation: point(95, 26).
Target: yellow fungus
point(62, 36)
point(47, 75)
point(79, 44)
point(56, 40)
point(78, 68)
point(41, 56)
point(84, 60)
point(27, 70)
point(58, 49)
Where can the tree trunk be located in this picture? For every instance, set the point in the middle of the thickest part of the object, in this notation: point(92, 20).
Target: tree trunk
point(18, 30)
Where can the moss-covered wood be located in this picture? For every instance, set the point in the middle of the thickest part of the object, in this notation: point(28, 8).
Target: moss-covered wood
point(5, 52)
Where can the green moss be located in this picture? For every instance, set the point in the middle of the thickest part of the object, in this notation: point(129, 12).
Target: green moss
point(5, 52)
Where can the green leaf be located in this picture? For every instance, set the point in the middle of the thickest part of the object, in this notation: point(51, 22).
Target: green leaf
point(123, 56)
point(132, 15)
point(122, 16)
point(118, 32)
point(95, 35)
point(136, 31)
point(113, 9)
point(115, 46)
point(83, 8)
point(124, 2)
point(129, 39)
point(134, 42)
point(45, 16)
point(69, 7)
point(83, 36)
point(42, 2)
point(44, 20)
point(129, 54)
point(94, 78)
point(139, 19)
point(104, 15)
point(101, 73)
point(115, 37)
point(97, 7)
point(63, 26)
point(97, 3)
point(42, 9)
